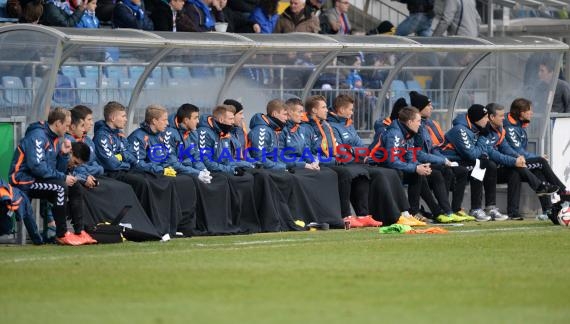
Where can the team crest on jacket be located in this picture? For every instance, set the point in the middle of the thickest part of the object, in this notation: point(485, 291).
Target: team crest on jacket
point(397, 141)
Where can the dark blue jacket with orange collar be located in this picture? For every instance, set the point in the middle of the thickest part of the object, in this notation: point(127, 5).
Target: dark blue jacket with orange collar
point(345, 134)
point(148, 149)
point(184, 155)
point(323, 143)
point(380, 127)
point(394, 139)
point(498, 149)
point(91, 167)
point(295, 145)
point(264, 137)
point(218, 150)
point(108, 143)
point(240, 133)
point(461, 141)
point(517, 137)
point(430, 153)
point(38, 156)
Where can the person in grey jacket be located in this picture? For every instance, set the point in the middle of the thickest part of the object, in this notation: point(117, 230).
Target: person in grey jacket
point(459, 18)
point(561, 101)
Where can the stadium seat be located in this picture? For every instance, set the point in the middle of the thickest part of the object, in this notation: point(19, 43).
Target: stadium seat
point(151, 83)
point(64, 93)
point(157, 73)
point(32, 83)
point(398, 89)
point(414, 85)
point(126, 87)
point(71, 71)
point(110, 90)
point(151, 92)
point(86, 90)
point(14, 91)
point(117, 72)
point(179, 72)
point(135, 71)
point(91, 71)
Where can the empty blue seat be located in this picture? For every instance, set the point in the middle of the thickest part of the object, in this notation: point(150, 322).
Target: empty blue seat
point(126, 86)
point(157, 73)
point(171, 83)
point(14, 91)
point(86, 90)
point(179, 72)
point(109, 90)
point(117, 72)
point(414, 85)
point(71, 71)
point(64, 93)
point(91, 71)
point(398, 89)
point(135, 71)
point(32, 83)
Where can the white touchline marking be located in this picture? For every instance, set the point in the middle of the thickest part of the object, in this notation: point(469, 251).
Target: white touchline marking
point(230, 245)
point(499, 229)
point(252, 242)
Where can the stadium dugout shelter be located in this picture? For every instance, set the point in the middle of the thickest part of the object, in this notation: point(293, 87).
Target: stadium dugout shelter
point(42, 67)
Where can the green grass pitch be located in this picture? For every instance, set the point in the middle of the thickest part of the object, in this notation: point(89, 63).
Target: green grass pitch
point(510, 272)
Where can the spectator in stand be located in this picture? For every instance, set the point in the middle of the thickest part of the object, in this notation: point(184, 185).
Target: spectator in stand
point(316, 7)
point(200, 15)
point(237, 14)
point(384, 28)
point(459, 18)
point(32, 12)
point(15, 8)
point(129, 14)
point(243, 7)
point(89, 20)
point(165, 15)
point(59, 14)
point(235, 22)
point(297, 18)
point(337, 18)
point(561, 101)
point(264, 17)
point(419, 20)
point(105, 9)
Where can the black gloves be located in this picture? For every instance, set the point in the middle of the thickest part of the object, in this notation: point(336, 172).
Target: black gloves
point(484, 161)
point(239, 171)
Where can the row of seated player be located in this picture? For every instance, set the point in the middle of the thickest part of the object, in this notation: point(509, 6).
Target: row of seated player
point(377, 185)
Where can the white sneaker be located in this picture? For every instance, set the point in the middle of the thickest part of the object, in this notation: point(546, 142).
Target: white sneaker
point(479, 215)
point(542, 217)
point(496, 214)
